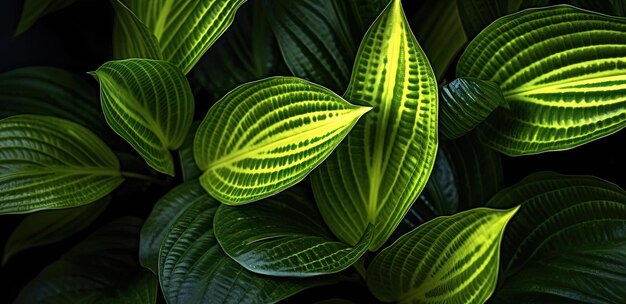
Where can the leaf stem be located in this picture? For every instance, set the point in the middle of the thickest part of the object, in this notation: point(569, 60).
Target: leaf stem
point(143, 177)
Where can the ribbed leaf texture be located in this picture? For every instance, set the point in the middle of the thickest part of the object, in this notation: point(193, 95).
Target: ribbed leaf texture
point(185, 29)
point(101, 269)
point(266, 136)
point(379, 170)
point(478, 14)
point(562, 71)
point(466, 102)
point(51, 163)
point(567, 244)
point(35, 9)
point(284, 235)
point(51, 226)
point(131, 38)
point(194, 269)
point(451, 259)
point(149, 103)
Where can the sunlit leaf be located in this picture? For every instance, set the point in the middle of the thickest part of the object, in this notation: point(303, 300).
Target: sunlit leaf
point(378, 171)
point(265, 136)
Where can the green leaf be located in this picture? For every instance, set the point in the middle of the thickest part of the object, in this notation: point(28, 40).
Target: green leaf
point(478, 14)
point(101, 269)
point(35, 9)
point(131, 38)
point(185, 29)
point(465, 103)
point(52, 163)
point(379, 170)
point(609, 7)
point(194, 269)
point(266, 136)
point(564, 78)
point(188, 166)
point(567, 242)
point(54, 92)
point(315, 40)
point(451, 259)
point(438, 28)
point(165, 212)
point(284, 235)
point(148, 103)
point(51, 226)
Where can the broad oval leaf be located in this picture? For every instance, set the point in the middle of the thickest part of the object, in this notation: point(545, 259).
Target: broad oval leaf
point(148, 103)
point(267, 135)
point(102, 268)
point(564, 78)
point(52, 163)
point(478, 14)
point(35, 9)
point(194, 269)
point(51, 226)
point(451, 259)
point(465, 103)
point(284, 235)
point(571, 227)
point(379, 170)
point(185, 29)
point(131, 38)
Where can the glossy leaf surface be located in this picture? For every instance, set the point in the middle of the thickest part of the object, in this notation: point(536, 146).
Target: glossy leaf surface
point(567, 243)
point(148, 103)
point(51, 163)
point(131, 38)
point(379, 170)
point(562, 71)
point(265, 136)
point(451, 259)
point(284, 235)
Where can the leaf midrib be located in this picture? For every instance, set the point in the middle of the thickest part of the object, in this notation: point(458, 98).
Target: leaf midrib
point(527, 89)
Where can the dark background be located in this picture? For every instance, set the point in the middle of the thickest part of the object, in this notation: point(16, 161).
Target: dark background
point(78, 38)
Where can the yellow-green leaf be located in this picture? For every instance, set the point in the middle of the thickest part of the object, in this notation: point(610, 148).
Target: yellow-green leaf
point(149, 103)
point(451, 259)
point(267, 135)
point(379, 170)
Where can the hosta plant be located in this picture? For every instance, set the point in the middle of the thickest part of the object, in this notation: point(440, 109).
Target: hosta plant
point(315, 151)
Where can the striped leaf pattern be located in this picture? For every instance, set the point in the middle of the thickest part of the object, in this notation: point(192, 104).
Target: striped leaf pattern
point(51, 163)
point(568, 227)
point(149, 103)
point(185, 29)
point(131, 38)
point(562, 71)
point(379, 170)
point(284, 235)
point(452, 259)
point(194, 269)
point(267, 135)
point(465, 103)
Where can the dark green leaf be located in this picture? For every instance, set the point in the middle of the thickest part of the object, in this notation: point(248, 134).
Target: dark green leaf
point(609, 7)
point(284, 235)
point(465, 103)
point(478, 14)
point(101, 269)
point(188, 166)
point(567, 242)
point(35, 9)
point(52, 163)
point(131, 38)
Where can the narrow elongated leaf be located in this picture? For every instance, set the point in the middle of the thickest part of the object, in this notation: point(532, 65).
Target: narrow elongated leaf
point(379, 170)
point(449, 259)
point(466, 102)
point(478, 14)
point(567, 243)
point(315, 40)
point(194, 269)
point(101, 269)
point(51, 163)
point(564, 78)
point(148, 103)
point(284, 235)
point(54, 92)
point(163, 215)
point(131, 38)
point(35, 9)
point(185, 29)
point(266, 136)
point(47, 227)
